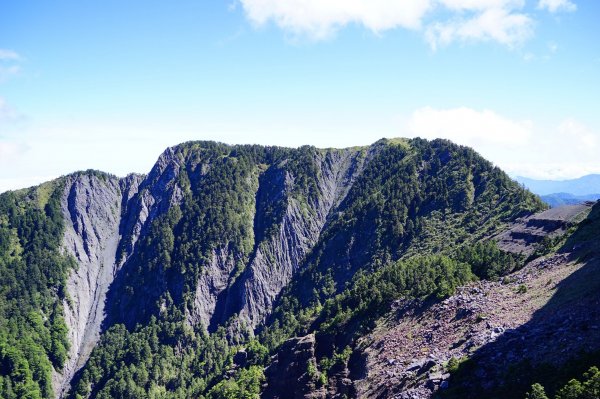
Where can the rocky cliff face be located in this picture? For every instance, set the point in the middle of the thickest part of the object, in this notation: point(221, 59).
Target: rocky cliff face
point(277, 258)
point(528, 233)
point(91, 206)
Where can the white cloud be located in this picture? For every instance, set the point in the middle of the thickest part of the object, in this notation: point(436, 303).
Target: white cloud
point(567, 150)
point(9, 55)
point(496, 24)
point(319, 18)
point(557, 5)
point(8, 151)
point(551, 170)
point(578, 135)
point(469, 127)
point(442, 21)
point(481, 5)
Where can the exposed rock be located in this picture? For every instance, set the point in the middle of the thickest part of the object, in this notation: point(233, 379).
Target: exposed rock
point(526, 233)
point(91, 206)
point(277, 257)
point(292, 373)
point(149, 198)
point(518, 326)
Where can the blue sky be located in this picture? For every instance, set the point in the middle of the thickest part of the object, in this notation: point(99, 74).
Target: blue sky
point(108, 85)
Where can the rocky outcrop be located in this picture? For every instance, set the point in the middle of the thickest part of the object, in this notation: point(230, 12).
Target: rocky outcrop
point(148, 198)
point(526, 234)
point(293, 373)
point(91, 206)
point(215, 279)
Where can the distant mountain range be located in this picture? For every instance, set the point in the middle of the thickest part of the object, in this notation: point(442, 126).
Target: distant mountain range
point(585, 185)
point(559, 199)
point(565, 192)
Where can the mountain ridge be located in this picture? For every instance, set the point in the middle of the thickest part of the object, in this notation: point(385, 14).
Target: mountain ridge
point(225, 243)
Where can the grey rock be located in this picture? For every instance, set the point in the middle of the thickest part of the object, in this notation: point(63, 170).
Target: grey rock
point(91, 207)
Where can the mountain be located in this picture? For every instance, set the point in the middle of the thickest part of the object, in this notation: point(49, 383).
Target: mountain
point(247, 271)
point(560, 199)
point(583, 186)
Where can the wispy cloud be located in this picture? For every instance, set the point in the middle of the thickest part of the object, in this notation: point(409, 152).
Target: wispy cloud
point(501, 25)
point(469, 126)
point(557, 5)
point(567, 150)
point(9, 64)
point(9, 55)
point(10, 147)
point(441, 21)
point(579, 136)
point(319, 19)
point(7, 113)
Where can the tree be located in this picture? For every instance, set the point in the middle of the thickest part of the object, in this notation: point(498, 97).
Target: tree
point(572, 390)
point(537, 392)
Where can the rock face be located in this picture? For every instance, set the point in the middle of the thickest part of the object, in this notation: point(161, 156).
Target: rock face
point(144, 200)
point(91, 207)
point(293, 371)
point(527, 233)
point(278, 258)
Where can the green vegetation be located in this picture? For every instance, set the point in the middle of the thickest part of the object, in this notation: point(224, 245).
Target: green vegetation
point(424, 198)
point(488, 261)
point(409, 228)
point(33, 273)
point(554, 381)
point(537, 392)
point(246, 384)
point(587, 388)
point(162, 359)
point(372, 294)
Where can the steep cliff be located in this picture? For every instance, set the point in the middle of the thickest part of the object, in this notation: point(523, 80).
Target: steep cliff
point(104, 218)
point(91, 206)
point(278, 258)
